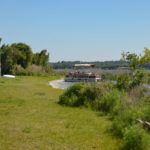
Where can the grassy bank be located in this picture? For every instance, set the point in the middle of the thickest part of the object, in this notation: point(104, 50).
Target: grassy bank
point(31, 118)
point(123, 107)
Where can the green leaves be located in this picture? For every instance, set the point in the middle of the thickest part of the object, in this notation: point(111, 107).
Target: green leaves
point(146, 57)
point(138, 75)
point(21, 54)
point(134, 60)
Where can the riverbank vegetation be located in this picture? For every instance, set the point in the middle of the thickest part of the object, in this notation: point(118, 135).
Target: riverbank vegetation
point(123, 108)
point(125, 101)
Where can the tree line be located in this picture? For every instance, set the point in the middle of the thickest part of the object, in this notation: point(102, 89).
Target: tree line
point(20, 55)
point(98, 64)
point(110, 64)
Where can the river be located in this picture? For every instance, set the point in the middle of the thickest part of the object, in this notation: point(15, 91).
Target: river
point(60, 84)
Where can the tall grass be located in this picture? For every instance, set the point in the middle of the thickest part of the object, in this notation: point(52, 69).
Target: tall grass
point(124, 107)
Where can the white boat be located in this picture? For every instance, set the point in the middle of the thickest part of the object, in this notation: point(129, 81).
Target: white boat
point(8, 76)
point(78, 76)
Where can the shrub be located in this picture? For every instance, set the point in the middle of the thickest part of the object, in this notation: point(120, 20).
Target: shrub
point(120, 105)
point(31, 70)
point(101, 97)
point(123, 82)
point(73, 96)
point(98, 96)
point(148, 78)
point(146, 114)
point(109, 76)
point(123, 120)
point(124, 108)
point(134, 138)
point(19, 70)
point(93, 93)
point(108, 101)
point(138, 77)
point(136, 94)
point(145, 108)
point(90, 94)
point(129, 81)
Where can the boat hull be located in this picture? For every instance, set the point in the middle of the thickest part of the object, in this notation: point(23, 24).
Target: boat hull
point(70, 79)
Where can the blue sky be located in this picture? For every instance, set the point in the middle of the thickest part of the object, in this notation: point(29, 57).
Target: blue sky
point(85, 30)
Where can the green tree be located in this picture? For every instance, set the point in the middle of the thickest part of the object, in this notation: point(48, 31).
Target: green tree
point(23, 54)
point(6, 59)
point(41, 58)
point(146, 57)
point(20, 54)
point(138, 74)
point(136, 61)
point(132, 59)
point(44, 58)
point(0, 58)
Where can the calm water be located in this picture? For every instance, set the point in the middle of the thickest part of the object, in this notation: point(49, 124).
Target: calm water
point(60, 84)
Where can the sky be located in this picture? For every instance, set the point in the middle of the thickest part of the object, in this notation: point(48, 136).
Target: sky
point(85, 30)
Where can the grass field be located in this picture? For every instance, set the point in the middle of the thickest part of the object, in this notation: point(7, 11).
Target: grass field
point(31, 119)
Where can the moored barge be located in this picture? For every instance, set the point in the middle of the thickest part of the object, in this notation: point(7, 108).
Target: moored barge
point(82, 76)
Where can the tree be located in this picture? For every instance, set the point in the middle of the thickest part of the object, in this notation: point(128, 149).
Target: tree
point(20, 54)
point(6, 59)
point(0, 58)
point(23, 54)
point(132, 59)
point(44, 58)
point(138, 74)
point(41, 58)
point(146, 57)
point(15, 54)
point(136, 61)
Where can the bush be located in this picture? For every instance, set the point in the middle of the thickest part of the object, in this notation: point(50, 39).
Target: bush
point(31, 70)
point(123, 82)
point(134, 138)
point(73, 96)
point(146, 114)
point(120, 105)
point(101, 97)
point(124, 108)
point(145, 108)
point(93, 95)
point(108, 101)
point(122, 121)
point(139, 77)
point(148, 78)
point(129, 81)
point(136, 94)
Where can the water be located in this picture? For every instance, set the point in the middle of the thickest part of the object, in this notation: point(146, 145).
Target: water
point(147, 86)
point(60, 84)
